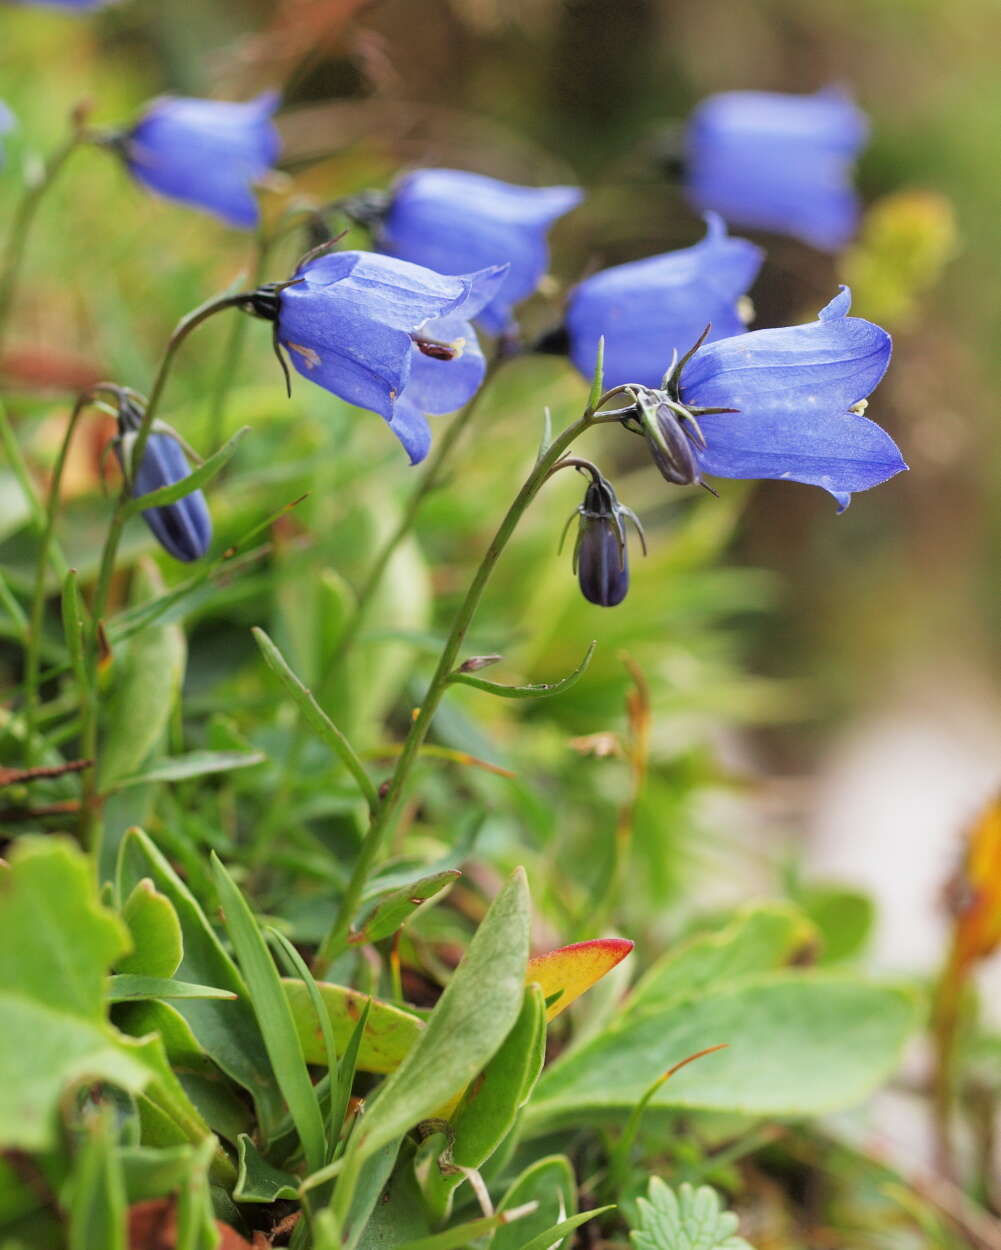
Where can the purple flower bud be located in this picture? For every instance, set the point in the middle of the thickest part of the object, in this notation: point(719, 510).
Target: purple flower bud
point(601, 558)
point(648, 308)
point(207, 153)
point(385, 335)
point(785, 163)
point(182, 528)
point(456, 222)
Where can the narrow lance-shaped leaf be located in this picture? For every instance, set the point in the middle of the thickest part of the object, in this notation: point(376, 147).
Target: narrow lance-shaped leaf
point(128, 988)
point(533, 690)
point(273, 1015)
point(196, 479)
point(396, 908)
point(564, 974)
point(317, 717)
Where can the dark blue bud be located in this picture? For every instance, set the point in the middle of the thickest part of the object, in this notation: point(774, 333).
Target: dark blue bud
point(672, 436)
point(601, 559)
point(183, 528)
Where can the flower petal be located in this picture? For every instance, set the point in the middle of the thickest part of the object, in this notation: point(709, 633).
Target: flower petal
point(646, 309)
point(411, 427)
point(824, 367)
point(184, 528)
point(206, 152)
point(454, 222)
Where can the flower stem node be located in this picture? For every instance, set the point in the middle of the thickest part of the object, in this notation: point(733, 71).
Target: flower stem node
point(183, 528)
point(600, 556)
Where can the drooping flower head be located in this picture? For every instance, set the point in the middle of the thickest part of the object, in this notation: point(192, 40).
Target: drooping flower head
point(783, 403)
point(600, 554)
point(208, 153)
point(777, 162)
point(648, 308)
point(182, 528)
point(384, 334)
point(456, 222)
point(6, 123)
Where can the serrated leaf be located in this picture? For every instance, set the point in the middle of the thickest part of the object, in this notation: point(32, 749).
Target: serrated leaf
point(566, 973)
point(157, 944)
point(392, 912)
point(691, 1219)
point(56, 940)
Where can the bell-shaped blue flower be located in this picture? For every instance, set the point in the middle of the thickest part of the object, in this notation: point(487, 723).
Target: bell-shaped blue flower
point(387, 335)
point(6, 123)
point(777, 162)
point(648, 308)
point(456, 222)
point(182, 528)
point(208, 153)
point(794, 397)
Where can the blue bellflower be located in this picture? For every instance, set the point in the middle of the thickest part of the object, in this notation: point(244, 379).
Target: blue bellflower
point(6, 123)
point(182, 528)
point(783, 403)
point(207, 153)
point(647, 308)
point(386, 335)
point(777, 162)
point(456, 222)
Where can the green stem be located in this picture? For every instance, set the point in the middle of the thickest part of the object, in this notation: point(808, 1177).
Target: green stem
point(20, 227)
point(234, 348)
point(110, 552)
point(429, 479)
point(33, 653)
point(23, 475)
point(384, 820)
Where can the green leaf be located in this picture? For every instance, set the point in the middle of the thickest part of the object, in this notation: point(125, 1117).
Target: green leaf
point(56, 940)
point(390, 1033)
point(154, 1173)
point(781, 1030)
point(147, 675)
point(194, 481)
point(157, 944)
point(194, 764)
point(758, 939)
point(692, 1219)
point(465, 1234)
point(228, 1031)
point(475, 1013)
point(258, 1181)
point(397, 907)
point(598, 380)
point(66, 1049)
point(551, 1183)
point(844, 919)
point(534, 690)
point(96, 1205)
point(490, 1106)
point(274, 1017)
point(126, 988)
point(555, 1235)
point(399, 1215)
point(317, 717)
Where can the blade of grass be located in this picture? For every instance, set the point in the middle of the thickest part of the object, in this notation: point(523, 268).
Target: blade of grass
point(296, 966)
point(196, 479)
point(317, 717)
point(273, 1015)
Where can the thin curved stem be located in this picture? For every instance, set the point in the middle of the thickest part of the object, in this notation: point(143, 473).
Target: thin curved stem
point(429, 480)
point(20, 227)
point(110, 551)
point(384, 820)
point(234, 347)
point(33, 653)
